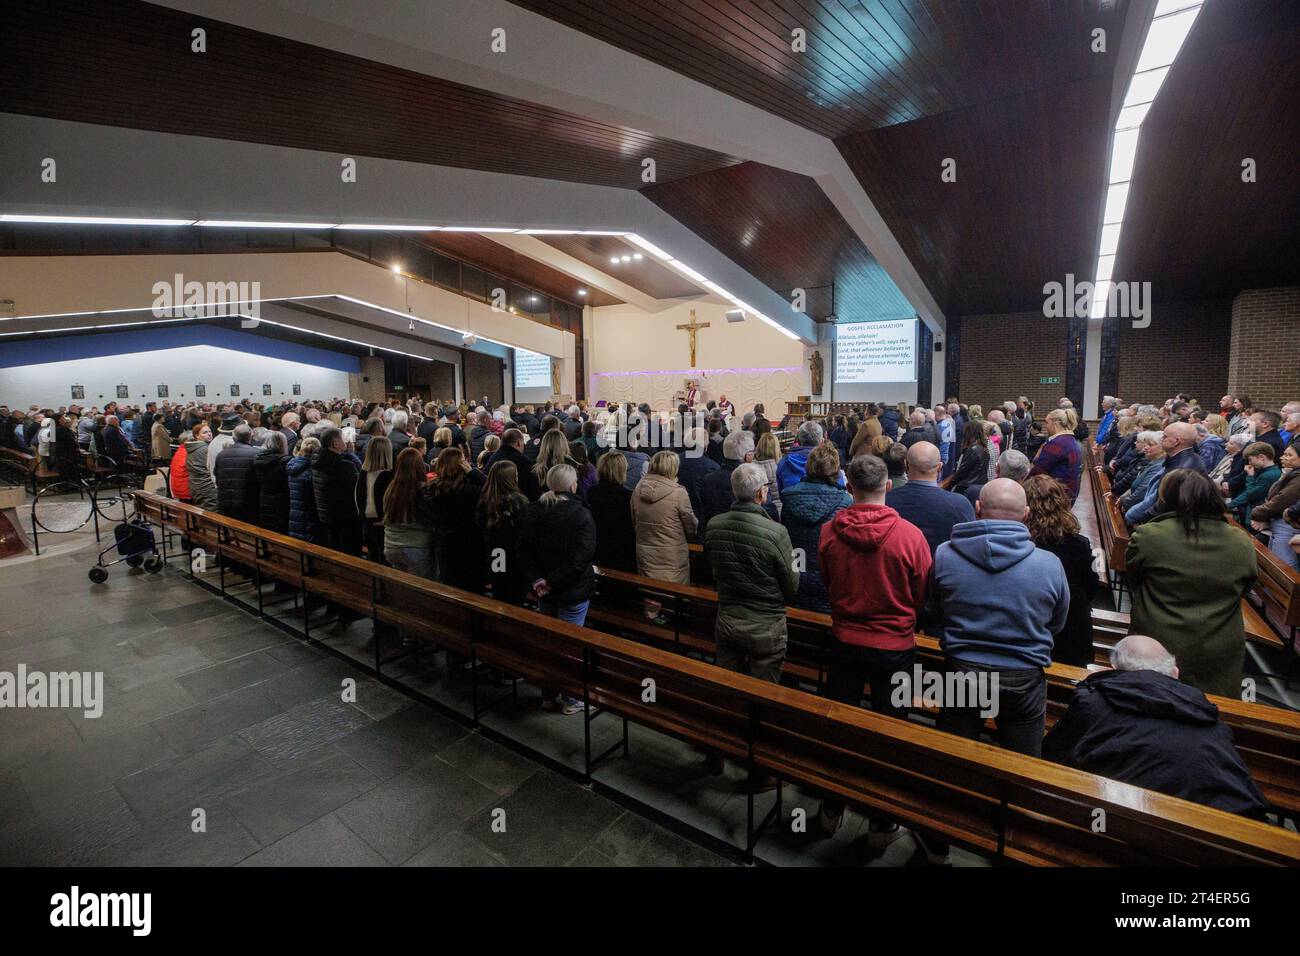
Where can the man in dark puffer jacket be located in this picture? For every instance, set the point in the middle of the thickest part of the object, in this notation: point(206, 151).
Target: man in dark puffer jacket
point(334, 479)
point(237, 492)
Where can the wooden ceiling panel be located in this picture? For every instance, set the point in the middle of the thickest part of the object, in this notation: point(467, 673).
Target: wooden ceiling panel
point(1192, 227)
point(868, 63)
point(1024, 209)
point(128, 63)
point(782, 229)
point(646, 274)
point(491, 256)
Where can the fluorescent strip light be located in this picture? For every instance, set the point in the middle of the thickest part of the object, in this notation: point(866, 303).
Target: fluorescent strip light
point(648, 246)
point(1144, 86)
point(686, 270)
point(1100, 295)
point(777, 325)
point(569, 232)
point(249, 224)
point(1131, 117)
point(1105, 267)
point(386, 228)
point(714, 287)
point(1123, 151)
point(474, 229)
point(97, 220)
point(1173, 6)
point(1165, 39)
point(1116, 197)
point(1110, 239)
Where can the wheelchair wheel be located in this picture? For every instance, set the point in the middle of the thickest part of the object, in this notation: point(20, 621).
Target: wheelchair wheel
point(134, 561)
point(153, 563)
point(98, 575)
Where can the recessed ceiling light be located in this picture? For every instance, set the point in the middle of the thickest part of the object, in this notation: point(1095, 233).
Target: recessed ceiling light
point(637, 255)
point(397, 267)
point(625, 259)
point(582, 292)
point(613, 260)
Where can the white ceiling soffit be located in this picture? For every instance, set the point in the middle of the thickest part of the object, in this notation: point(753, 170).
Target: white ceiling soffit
point(138, 173)
point(551, 64)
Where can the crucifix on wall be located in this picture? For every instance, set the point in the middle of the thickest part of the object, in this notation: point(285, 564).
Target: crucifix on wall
point(692, 328)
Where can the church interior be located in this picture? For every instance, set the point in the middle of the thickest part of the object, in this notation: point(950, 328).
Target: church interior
point(774, 272)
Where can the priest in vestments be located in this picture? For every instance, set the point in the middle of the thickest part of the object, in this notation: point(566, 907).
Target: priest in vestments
point(692, 392)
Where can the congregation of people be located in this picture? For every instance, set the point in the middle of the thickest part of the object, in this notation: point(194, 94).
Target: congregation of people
point(892, 520)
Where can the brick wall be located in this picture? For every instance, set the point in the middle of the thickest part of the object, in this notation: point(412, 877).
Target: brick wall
point(1003, 357)
point(372, 368)
point(1264, 353)
point(483, 377)
point(1184, 349)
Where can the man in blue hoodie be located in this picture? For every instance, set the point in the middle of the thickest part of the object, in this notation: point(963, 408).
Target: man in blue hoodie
point(1002, 602)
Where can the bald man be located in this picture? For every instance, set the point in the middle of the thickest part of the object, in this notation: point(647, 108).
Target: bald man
point(923, 503)
point(1140, 724)
point(1002, 601)
point(1179, 443)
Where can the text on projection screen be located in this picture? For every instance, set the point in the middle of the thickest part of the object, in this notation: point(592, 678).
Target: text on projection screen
point(876, 351)
point(532, 370)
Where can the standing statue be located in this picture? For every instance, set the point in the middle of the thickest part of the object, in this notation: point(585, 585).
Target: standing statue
point(817, 368)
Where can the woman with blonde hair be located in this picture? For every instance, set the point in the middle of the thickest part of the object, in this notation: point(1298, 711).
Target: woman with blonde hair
point(664, 522)
point(1060, 457)
point(554, 450)
point(491, 445)
point(767, 454)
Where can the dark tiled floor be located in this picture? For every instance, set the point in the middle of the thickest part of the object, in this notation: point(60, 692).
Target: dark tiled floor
point(226, 741)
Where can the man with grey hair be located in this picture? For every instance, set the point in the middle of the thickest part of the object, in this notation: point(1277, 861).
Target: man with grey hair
point(1141, 725)
point(1011, 464)
point(917, 430)
point(715, 487)
point(1109, 404)
point(400, 435)
point(236, 478)
point(794, 465)
point(754, 571)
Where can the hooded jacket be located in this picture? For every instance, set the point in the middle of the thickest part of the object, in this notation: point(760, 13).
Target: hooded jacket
point(1211, 449)
point(793, 466)
point(876, 570)
point(611, 509)
point(1153, 731)
point(178, 476)
point(1002, 601)
point(807, 506)
point(691, 472)
point(203, 492)
point(304, 523)
point(665, 523)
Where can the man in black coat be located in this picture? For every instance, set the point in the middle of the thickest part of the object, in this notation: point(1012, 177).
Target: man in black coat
point(237, 488)
point(1141, 725)
point(512, 450)
point(334, 479)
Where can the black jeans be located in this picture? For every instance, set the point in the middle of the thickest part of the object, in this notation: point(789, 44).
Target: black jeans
point(850, 667)
point(1021, 709)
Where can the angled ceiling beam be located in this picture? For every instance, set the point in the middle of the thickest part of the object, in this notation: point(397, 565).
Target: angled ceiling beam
point(548, 63)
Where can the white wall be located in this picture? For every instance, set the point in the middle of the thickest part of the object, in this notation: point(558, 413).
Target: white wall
point(637, 356)
point(48, 384)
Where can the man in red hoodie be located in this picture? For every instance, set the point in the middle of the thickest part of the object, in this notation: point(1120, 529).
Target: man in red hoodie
point(875, 566)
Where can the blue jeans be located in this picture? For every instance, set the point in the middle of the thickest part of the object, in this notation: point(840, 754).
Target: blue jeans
point(412, 560)
point(569, 613)
point(1280, 542)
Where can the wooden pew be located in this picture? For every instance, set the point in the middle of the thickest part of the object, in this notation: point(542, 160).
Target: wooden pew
point(1267, 737)
point(33, 471)
point(1018, 808)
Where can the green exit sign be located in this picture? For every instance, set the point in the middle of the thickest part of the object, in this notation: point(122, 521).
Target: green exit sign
point(1050, 380)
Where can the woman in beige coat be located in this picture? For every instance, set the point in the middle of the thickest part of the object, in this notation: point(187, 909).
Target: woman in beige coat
point(664, 522)
point(160, 443)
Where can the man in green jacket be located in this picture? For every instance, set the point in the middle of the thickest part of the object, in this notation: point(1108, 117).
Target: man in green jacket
point(756, 577)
